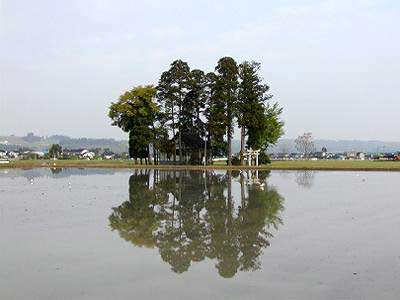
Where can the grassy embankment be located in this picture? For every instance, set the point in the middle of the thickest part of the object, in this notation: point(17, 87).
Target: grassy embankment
point(276, 165)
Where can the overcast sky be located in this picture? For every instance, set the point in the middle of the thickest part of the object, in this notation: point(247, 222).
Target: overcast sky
point(333, 65)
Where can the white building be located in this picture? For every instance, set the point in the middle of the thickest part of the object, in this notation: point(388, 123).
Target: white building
point(3, 154)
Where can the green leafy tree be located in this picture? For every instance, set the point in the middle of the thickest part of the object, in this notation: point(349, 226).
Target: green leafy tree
point(268, 128)
point(200, 105)
point(55, 151)
point(135, 113)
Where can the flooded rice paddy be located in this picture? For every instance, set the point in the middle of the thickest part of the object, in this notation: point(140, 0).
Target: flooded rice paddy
point(148, 234)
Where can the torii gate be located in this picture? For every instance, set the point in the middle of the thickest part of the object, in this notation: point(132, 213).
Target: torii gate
point(250, 153)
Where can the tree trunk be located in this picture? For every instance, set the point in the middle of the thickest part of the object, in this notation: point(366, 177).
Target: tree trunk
point(155, 139)
point(180, 145)
point(173, 134)
point(242, 135)
point(229, 144)
point(211, 151)
point(148, 154)
point(205, 151)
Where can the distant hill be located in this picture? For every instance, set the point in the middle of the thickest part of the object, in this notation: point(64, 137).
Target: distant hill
point(337, 146)
point(34, 142)
point(31, 141)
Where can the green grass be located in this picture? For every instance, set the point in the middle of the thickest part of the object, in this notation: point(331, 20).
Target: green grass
point(276, 165)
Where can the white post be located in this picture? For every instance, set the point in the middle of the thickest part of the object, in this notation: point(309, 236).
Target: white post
point(257, 159)
point(249, 157)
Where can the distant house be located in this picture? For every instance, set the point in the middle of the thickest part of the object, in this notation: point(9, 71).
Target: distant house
point(352, 155)
point(109, 155)
point(361, 155)
point(79, 153)
point(87, 154)
point(3, 154)
point(387, 156)
point(38, 154)
point(72, 152)
point(13, 154)
point(339, 156)
point(318, 155)
point(30, 154)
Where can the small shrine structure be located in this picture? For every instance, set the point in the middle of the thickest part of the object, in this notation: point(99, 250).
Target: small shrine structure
point(252, 155)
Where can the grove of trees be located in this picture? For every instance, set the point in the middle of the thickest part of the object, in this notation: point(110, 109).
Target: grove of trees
point(190, 115)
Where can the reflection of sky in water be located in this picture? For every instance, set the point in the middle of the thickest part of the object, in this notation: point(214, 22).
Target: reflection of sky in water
point(31, 174)
point(302, 178)
point(56, 236)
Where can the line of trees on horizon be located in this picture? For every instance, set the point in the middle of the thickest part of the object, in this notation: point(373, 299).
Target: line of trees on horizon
point(190, 112)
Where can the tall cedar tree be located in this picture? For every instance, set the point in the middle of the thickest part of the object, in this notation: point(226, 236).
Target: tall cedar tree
point(204, 105)
point(135, 113)
point(251, 102)
point(171, 91)
point(194, 104)
point(215, 116)
point(226, 88)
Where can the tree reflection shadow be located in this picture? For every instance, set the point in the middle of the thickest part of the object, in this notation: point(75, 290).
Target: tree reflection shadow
point(305, 178)
point(191, 216)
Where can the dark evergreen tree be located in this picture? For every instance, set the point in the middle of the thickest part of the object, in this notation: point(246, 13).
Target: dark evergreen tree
point(194, 104)
point(251, 100)
point(202, 107)
point(172, 89)
point(257, 118)
point(226, 88)
point(215, 115)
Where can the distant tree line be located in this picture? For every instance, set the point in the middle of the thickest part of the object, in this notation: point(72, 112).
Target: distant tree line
point(192, 114)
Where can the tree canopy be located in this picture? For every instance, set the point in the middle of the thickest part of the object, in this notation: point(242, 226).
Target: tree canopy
point(207, 106)
point(135, 112)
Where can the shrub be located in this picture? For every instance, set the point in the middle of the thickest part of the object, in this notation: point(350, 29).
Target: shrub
point(236, 160)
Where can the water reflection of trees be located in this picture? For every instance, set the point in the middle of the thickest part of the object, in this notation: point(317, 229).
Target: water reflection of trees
point(190, 216)
point(305, 178)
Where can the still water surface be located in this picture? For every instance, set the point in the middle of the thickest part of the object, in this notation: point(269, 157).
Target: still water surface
point(141, 234)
